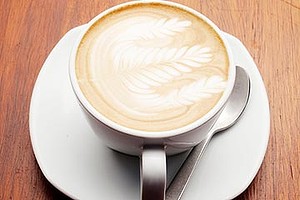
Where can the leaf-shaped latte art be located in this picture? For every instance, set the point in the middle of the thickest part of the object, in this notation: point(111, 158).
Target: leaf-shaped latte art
point(201, 89)
point(163, 28)
point(187, 95)
point(154, 67)
point(143, 68)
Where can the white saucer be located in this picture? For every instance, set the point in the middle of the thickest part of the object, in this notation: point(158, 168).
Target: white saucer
point(77, 163)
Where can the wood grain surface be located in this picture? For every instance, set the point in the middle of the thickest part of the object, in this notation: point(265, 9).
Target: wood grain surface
point(270, 29)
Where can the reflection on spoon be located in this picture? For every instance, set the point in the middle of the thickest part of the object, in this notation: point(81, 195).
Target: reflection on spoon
point(229, 116)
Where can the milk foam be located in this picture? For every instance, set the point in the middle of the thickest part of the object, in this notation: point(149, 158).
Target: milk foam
point(152, 67)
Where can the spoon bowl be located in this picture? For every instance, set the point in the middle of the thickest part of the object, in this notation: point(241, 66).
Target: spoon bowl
point(232, 111)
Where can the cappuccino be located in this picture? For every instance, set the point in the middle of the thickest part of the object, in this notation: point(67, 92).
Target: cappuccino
point(152, 67)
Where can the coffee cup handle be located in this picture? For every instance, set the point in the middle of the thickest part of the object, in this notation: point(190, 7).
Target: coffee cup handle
point(153, 173)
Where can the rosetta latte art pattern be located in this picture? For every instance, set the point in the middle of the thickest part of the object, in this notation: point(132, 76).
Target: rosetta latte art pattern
point(143, 69)
point(152, 67)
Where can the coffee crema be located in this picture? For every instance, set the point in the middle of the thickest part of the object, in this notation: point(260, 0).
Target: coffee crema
point(152, 67)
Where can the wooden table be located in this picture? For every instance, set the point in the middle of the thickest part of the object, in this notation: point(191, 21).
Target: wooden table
point(269, 29)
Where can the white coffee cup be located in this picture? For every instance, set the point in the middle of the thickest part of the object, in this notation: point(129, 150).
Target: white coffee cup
point(152, 147)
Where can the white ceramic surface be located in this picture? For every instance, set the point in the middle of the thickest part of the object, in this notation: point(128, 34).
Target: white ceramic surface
point(76, 162)
point(135, 141)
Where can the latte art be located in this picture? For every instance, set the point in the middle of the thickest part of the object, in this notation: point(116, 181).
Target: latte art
point(152, 67)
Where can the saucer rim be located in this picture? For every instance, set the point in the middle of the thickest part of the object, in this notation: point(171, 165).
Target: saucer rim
point(35, 145)
point(267, 136)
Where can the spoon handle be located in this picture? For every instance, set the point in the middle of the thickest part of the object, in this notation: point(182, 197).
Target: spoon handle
point(180, 181)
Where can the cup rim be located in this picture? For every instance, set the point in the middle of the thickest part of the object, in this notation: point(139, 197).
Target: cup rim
point(151, 134)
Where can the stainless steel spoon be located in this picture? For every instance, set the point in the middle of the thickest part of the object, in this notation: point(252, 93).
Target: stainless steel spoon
point(232, 111)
